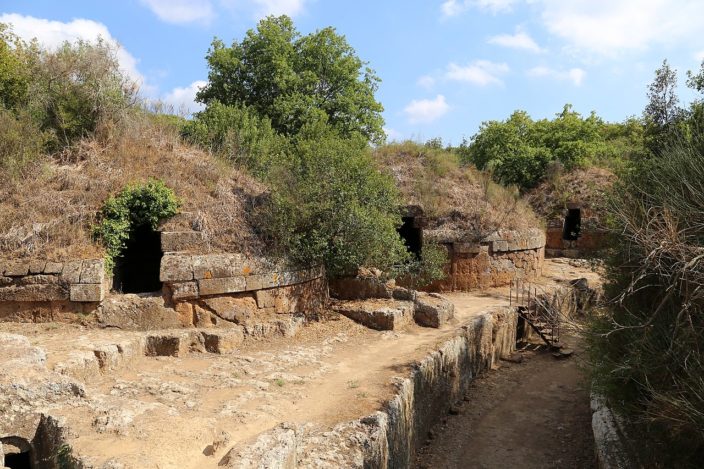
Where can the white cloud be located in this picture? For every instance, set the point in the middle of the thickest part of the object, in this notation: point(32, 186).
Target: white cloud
point(424, 111)
point(609, 28)
point(426, 81)
point(456, 7)
point(52, 34)
point(181, 11)
point(393, 135)
point(279, 7)
point(262, 8)
point(575, 75)
point(183, 100)
point(479, 72)
point(699, 56)
point(520, 40)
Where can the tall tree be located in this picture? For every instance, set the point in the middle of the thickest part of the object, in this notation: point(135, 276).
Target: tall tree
point(662, 111)
point(294, 79)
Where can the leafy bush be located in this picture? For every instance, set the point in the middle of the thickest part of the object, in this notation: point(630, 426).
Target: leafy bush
point(135, 206)
point(21, 143)
point(423, 270)
point(236, 133)
point(331, 205)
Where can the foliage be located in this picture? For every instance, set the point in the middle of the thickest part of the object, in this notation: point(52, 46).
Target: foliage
point(236, 133)
point(331, 205)
point(425, 269)
point(293, 79)
point(662, 112)
point(136, 205)
point(75, 91)
point(519, 150)
point(21, 143)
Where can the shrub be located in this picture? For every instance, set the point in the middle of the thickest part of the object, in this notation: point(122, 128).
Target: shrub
point(331, 205)
point(425, 269)
point(237, 134)
point(136, 205)
point(647, 348)
point(21, 143)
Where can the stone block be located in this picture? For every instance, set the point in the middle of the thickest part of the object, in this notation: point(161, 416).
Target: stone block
point(53, 268)
point(92, 271)
point(381, 315)
point(176, 268)
point(51, 292)
point(254, 282)
point(237, 310)
point(404, 294)
point(36, 267)
point(432, 310)
point(174, 241)
point(270, 280)
point(184, 290)
point(16, 269)
point(499, 246)
point(266, 298)
point(219, 266)
point(6, 281)
point(37, 280)
point(72, 271)
point(222, 342)
point(466, 248)
point(185, 313)
point(219, 286)
point(87, 292)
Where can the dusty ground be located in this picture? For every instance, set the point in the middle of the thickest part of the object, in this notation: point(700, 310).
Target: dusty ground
point(534, 414)
point(171, 411)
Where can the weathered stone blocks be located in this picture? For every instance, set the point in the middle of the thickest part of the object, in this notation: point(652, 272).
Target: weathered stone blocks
point(218, 286)
point(91, 292)
point(225, 341)
point(174, 241)
point(176, 268)
point(382, 315)
point(184, 290)
point(432, 310)
point(92, 271)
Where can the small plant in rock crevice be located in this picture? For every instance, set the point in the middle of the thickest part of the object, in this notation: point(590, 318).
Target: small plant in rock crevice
point(136, 205)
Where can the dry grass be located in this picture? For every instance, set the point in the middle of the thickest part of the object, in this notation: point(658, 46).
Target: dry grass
point(589, 187)
point(48, 214)
point(454, 197)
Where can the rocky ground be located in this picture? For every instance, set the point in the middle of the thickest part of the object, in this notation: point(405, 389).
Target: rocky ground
point(188, 411)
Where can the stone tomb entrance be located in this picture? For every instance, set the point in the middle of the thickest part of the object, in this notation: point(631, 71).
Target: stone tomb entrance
point(571, 227)
point(411, 230)
point(137, 270)
point(16, 452)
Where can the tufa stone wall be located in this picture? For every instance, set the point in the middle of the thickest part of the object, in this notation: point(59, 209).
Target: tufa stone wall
point(209, 290)
point(492, 262)
point(78, 281)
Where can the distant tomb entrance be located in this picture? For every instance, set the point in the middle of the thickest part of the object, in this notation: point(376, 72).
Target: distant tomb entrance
point(137, 269)
point(16, 452)
point(573, 220)
point(412, 235)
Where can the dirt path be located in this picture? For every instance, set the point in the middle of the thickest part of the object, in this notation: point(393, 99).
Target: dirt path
point(533, 414)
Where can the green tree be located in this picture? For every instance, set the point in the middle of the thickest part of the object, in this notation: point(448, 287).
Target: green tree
point(662, 112)
point(15, 69)
point(294, 79)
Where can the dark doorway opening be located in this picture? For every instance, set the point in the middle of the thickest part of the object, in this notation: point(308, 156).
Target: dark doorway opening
point(412, 236)
point(573, 220)
point(137, 270)
point(18, 460)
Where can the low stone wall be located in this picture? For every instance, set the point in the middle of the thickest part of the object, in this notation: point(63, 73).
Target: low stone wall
point(42, 290)
point(390, 437)
point(210, 289)
point(492, 262)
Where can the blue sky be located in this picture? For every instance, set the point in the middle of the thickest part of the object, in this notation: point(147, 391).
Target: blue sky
point(446, 65)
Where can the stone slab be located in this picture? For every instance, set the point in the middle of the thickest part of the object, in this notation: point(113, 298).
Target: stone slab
point(36, 267)
point(266, 298)
point(222, 342)
point(176, 268)
point(184, 290)
point(175, 241)
point(27, 293)
point(218, 286)
point(53, 268)
point(381, 315)
point(72, 271)
point(254, 282)
point(92, 271)
point(16, 269)
point(87, 293)
point(432, 310)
